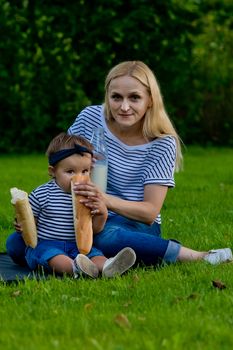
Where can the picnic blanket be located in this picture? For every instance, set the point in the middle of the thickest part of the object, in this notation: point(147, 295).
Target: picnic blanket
point(11, 272)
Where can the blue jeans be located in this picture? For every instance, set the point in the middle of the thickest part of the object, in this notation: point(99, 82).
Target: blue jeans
point(15, 248)
point(150, 248)
point(118, 233)
point(47, 249)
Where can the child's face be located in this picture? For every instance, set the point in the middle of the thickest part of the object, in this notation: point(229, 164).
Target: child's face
point(68, 167)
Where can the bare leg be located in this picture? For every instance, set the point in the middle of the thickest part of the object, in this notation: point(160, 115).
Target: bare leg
point(61, 264)
point(99, 261)
point(64, 264)
point(187, 254)
point(116, 265)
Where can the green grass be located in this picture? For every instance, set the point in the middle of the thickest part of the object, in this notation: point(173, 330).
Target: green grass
point(174, 307)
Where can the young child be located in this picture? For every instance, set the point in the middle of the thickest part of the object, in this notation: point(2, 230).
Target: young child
point(56, 251)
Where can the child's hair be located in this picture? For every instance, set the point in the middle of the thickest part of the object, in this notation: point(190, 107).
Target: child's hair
point(64, 141)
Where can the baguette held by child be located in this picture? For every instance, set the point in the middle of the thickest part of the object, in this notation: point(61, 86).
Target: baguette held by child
point(24, 216)
point(82, 218)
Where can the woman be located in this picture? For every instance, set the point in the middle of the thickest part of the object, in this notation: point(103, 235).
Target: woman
point(143, 153)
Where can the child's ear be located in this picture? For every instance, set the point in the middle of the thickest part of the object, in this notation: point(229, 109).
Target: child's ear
point(51, 171)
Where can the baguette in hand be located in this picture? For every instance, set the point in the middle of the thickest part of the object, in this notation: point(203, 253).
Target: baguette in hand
point(24, 216)
point(82, 218)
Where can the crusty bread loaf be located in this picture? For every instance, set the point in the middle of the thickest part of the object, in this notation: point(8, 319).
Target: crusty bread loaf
point(82, 218)
point(24, 216)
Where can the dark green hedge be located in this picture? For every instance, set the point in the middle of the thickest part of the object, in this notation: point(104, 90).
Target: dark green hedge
point(55, 55)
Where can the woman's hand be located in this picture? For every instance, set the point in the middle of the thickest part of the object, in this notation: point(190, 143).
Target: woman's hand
point(96, 204)
point(89, 190)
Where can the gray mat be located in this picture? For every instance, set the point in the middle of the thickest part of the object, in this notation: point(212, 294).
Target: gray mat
point(11, 272)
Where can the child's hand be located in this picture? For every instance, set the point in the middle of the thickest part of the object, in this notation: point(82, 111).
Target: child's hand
point(17, 226)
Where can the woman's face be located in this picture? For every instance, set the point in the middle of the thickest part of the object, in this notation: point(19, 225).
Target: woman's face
point(128, 100)
point(68, 167)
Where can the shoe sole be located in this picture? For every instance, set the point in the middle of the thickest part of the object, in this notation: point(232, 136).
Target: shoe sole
point(86, 266)
point(122, 262)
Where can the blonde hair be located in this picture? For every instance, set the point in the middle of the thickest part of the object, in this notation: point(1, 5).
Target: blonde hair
point(156, 121)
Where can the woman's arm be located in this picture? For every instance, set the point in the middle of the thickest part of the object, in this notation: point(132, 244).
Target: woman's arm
point(145, 211)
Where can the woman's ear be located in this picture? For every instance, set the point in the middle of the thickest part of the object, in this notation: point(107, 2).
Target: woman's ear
point(150, 103)
point(51, 171)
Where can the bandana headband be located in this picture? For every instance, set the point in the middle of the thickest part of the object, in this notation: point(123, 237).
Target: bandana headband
point(64, 153)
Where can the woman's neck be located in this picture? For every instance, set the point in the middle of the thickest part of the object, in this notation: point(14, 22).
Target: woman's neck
point(131, 136)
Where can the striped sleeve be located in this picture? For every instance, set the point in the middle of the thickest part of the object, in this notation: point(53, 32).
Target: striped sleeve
point(160, 163)
point(86, 120)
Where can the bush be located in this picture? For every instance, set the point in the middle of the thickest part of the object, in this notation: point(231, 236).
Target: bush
point(55, 55)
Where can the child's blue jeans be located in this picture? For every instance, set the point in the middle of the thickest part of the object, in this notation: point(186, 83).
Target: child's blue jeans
point(48, 249)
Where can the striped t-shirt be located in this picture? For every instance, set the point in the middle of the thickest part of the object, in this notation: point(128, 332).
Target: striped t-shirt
point(130, 168)
point(54, 212)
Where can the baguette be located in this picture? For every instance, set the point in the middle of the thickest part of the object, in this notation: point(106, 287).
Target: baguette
point(82, 218)
point(24, 216)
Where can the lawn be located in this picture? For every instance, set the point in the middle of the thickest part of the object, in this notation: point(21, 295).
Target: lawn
point(173, 307)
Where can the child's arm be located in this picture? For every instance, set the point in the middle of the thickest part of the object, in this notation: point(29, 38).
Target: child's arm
point(18, 227)
point(100, 215)
point(94, 201)
point(99, 212)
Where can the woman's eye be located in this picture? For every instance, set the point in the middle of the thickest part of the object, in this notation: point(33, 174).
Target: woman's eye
point(115, 97)
point(85, 171)
point(135, 97)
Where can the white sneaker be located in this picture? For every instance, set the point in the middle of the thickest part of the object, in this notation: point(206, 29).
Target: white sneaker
point(119, 263)
point(84, 266)
point(218, 256)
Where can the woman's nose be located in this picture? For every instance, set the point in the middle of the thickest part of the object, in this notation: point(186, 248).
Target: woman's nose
point(125, 105)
